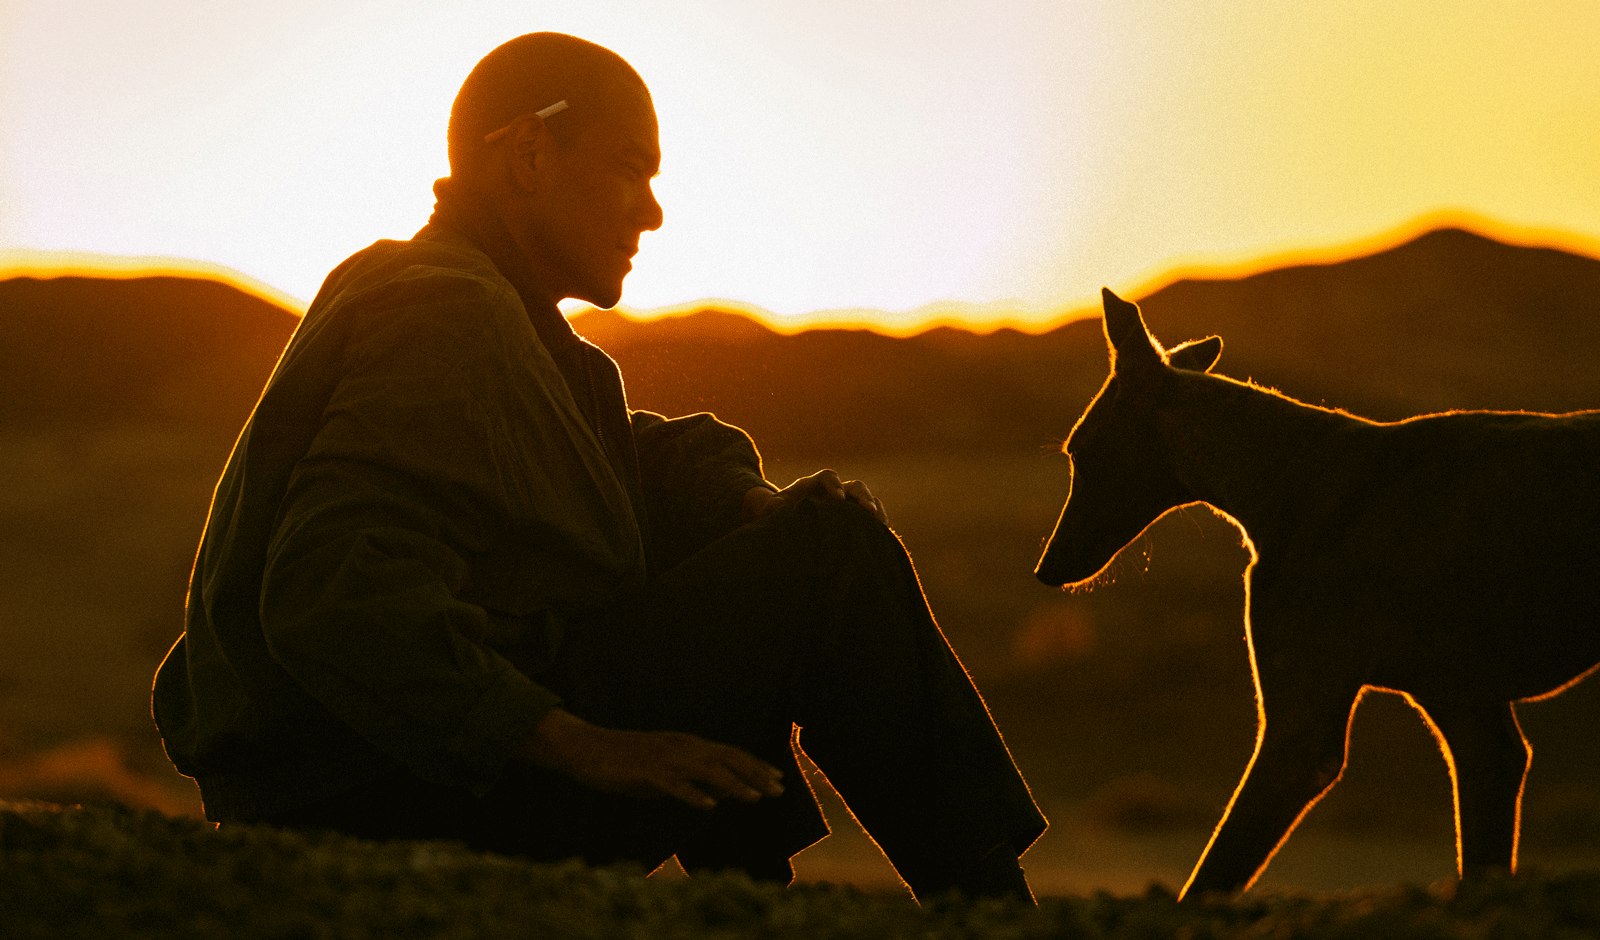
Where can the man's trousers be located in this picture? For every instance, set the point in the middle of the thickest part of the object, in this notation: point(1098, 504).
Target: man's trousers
point(807, 627)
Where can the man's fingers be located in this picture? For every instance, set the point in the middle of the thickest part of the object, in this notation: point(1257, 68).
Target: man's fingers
point(670, 764)
point(700, 772)
point(757, 777)
point(731, 772)
point(824, 483)
point(689, 793)
point(861, 496)
point(827, 485)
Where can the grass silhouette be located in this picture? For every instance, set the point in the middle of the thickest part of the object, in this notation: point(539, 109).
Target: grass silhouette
point(107, 872)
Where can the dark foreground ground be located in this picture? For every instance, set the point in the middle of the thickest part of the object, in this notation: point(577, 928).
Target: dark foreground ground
point(109, 873)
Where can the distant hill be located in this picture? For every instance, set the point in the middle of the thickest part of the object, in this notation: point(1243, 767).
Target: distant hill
point(169, 351)
point(845, 393)
point(1449, 320)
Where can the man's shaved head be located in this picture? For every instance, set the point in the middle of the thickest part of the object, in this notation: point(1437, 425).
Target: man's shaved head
point(529, 73)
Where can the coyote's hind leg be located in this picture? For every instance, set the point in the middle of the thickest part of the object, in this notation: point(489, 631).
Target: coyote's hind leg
point(1489, 760)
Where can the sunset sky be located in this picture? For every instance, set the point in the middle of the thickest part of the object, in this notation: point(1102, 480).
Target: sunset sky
point(1006, 156)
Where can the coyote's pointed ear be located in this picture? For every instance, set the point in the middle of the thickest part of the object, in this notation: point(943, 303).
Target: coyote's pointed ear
point(1197, 355)
point(1132, 346)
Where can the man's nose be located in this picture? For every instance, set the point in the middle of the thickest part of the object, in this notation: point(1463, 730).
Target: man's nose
point(650, 214)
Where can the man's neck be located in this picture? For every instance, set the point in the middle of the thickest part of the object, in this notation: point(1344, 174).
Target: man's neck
point(475, 216)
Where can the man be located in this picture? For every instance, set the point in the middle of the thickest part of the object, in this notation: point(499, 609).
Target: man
point(452, 587)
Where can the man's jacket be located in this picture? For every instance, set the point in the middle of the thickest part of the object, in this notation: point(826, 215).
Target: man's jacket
point(438, 473)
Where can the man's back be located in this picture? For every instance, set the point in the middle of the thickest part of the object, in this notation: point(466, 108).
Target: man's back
point(422, 339)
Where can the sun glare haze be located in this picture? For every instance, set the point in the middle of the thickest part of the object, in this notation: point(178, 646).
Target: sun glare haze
point(892, 162)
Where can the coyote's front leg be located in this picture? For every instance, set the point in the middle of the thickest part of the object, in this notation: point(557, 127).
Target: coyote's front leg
point(1300, 754)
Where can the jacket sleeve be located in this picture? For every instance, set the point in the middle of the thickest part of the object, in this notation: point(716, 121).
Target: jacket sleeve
point(695, 471)
point(361, 601)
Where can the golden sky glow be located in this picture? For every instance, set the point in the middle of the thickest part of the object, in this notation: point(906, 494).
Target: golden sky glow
point(983, 161)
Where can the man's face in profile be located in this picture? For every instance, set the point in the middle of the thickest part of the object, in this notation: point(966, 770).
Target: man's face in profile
point(598, 201)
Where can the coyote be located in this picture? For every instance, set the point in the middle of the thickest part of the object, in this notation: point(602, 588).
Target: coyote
point(1451, 558)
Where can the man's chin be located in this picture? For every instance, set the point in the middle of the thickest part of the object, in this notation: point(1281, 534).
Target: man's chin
point(603, 299)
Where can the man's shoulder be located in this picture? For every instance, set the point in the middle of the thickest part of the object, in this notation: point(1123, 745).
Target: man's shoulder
point(434, 267)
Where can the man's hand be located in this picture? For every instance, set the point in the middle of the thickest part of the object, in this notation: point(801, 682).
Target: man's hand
point(649, 763)
point(824, 484)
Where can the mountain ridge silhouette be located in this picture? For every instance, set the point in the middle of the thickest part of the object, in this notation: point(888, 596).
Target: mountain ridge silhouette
point(1450, 319)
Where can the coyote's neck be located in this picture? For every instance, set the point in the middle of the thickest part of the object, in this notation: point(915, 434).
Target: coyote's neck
point(1234, 445)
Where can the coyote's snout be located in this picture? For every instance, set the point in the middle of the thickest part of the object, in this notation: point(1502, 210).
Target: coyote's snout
point(1452, 558)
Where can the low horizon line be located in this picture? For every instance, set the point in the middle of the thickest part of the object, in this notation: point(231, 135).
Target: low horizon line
point(975, 317)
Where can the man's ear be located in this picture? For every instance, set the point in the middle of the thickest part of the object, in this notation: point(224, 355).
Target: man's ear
point(531, 146)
